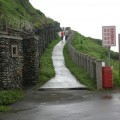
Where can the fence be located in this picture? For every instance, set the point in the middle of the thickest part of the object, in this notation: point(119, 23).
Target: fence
point(92, 65)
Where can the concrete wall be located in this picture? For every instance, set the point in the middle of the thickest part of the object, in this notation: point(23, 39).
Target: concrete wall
point(92, 65)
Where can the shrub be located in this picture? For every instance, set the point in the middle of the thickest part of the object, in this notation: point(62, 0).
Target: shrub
point(10, 96)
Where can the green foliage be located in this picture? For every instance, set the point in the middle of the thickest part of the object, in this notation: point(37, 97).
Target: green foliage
point(78, 72)
point(93, 47)
point(19, 8)
point(97, 41)
point(47, 70)
point(22, 10)
point(88, 46)
point(8, 97)
point(5, 109)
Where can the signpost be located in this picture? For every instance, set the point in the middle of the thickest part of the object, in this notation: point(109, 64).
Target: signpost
point(119, 52)
point(108, 38)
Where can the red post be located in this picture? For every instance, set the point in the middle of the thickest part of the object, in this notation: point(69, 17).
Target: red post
point(107, 77)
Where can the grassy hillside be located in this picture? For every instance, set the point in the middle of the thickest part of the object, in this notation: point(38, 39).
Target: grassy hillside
point(94, 48)
point(22, 10)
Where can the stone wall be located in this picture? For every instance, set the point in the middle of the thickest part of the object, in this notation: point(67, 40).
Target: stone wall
point(20, 53)
point(45, 35)
point(31, 60)
point(11, 63)
point(33, 47)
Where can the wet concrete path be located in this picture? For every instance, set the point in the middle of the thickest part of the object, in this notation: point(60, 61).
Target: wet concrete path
point(63, 77)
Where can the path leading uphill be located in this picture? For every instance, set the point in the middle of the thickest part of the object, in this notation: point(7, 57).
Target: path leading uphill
point(65, 104)
point(63, 77)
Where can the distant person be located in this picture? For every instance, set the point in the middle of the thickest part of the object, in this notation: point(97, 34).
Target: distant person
point(62, 35)
point(66, 34)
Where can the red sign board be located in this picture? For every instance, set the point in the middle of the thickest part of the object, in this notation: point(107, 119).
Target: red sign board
point(109, 36)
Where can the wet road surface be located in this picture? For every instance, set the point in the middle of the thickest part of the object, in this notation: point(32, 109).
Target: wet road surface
point(66, 105)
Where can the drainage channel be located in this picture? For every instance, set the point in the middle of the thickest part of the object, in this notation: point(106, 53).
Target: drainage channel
point(60, 89)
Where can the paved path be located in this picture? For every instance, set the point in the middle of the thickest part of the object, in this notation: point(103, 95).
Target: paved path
point(63, 78)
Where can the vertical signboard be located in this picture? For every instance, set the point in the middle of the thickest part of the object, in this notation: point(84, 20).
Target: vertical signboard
point(109, 36)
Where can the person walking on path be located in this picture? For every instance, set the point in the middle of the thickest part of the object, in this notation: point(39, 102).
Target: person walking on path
point(66, 34)
point(62, 35)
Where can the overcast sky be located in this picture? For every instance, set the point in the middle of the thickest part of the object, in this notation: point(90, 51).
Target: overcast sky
point(84, 16)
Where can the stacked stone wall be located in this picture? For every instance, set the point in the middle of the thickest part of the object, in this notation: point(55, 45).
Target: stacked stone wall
point(11, 66)
point(31, 60)
point(20, 53)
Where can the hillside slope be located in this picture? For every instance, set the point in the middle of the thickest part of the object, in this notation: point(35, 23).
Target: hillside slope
point(93, 47)
point(22, 10)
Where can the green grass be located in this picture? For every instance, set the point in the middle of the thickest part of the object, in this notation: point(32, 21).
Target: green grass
point(93, 47)
point(5, 109)
point(17, 11)
point(47, 70)
point(8, 97)
point(19, 8)
point(78, 72)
